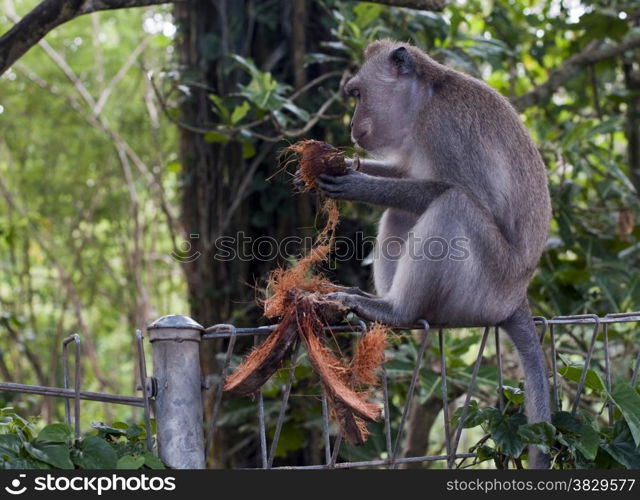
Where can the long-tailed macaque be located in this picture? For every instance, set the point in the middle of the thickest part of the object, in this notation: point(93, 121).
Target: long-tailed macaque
point(456, 167)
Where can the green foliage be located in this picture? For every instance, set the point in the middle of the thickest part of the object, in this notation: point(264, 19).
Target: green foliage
point(571, 441)
point(55, 447)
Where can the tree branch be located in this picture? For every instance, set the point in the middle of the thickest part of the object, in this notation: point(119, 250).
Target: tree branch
point(559, 76)
point(49, 14)
point(434, 5)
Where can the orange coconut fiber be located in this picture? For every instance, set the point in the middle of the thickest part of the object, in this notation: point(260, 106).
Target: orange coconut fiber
point(295, 296)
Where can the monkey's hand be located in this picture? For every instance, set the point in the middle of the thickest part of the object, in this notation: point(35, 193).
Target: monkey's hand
point(343, 187)
point(346, 299)
point(298, 183)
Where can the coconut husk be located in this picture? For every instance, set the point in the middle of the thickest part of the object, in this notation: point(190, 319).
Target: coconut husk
point(296, 297)
point(315, 158)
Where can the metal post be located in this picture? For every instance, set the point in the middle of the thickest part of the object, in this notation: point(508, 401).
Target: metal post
point(175, 342)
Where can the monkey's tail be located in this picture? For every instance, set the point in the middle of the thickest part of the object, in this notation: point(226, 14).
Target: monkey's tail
point(521, 329)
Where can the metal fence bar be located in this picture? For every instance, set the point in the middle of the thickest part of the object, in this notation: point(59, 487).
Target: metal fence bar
point(445, 398)
point(262, 427)
point(142, 371)
point(283, 407)
point(44, 390)
point(217, 398)
point(378, 463)
point(607, 368)
point(325, 428)
point(499, 368)
point(470, 389)
point(587, 361)
point(412, 386)
point(387, 414)
point(263, 431)
point(76, 381)
point(554, 367)
point(336, 450)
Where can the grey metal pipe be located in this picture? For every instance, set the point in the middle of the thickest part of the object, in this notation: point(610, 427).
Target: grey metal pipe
point(175, 342)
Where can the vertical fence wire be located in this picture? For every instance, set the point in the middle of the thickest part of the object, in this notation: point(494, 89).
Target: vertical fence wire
point(607, 368)
point(283, 407)
point(412, 386)
point(554, 368)
point(499, 369)
point(445, 398)
point(262, 427)
point(587, 361)
point(75, 338)
point(217, 398)
point(325, 428)
point(142, 372)
point(387, 417)
point(470, 389)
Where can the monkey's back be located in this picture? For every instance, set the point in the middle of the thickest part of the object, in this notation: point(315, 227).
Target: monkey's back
point(475, 139)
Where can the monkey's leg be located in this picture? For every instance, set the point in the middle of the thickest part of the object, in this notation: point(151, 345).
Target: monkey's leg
point(374, 308)
point(521, 329)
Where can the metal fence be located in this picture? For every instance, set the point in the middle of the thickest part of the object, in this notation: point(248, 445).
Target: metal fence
point(174, 390)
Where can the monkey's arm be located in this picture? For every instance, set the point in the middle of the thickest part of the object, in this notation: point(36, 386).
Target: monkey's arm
point(376, 168)
point(411, 195)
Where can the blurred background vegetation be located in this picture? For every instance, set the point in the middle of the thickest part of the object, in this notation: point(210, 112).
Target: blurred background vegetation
point(131, 140)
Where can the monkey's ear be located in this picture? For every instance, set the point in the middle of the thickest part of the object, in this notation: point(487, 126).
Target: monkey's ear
point(402, 61)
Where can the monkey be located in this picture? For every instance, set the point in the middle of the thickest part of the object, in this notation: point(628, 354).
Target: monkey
point(451, 161)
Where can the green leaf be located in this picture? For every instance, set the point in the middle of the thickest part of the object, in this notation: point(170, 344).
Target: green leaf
point(175, 167)
point(592, 381)
point(297, 111)
point(95, 453)
point(220, 108)
point(513, 394)
point(248, 150)
point(366, 13)
point(130, 462)
point(292, 438)
point(565, 422)
point(56, 455)
point(10, 445)
point(601, 24)
point(623, 449)
point(475, 416)
point(56, 433)
point(505, 433)
point(110, 429)
point(589, 441)
point(214, 136)
point(151, 461)
point(627, 399)
point(239, 112)
point(542, 434)
point(134, 431)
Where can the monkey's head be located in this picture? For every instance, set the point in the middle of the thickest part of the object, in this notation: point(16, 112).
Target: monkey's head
point(388, 90)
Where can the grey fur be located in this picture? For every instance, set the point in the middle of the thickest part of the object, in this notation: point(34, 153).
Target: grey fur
point(462, 165)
